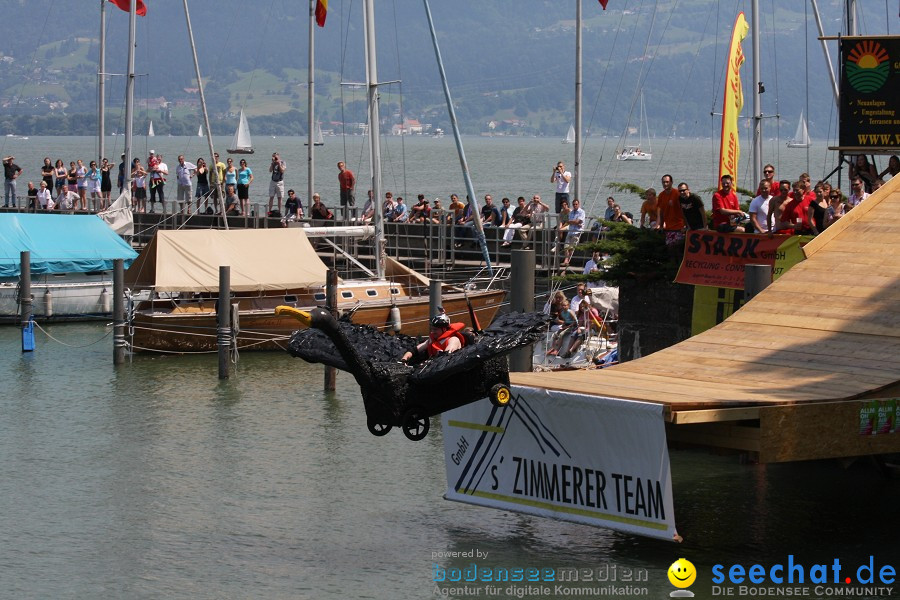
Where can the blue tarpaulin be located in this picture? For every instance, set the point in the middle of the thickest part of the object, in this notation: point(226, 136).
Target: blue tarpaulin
point(59, 244)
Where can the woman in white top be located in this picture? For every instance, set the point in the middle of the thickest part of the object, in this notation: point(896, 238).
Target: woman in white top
point(44, 197)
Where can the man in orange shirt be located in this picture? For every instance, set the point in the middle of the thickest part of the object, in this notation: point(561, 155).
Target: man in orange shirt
point(669, 217)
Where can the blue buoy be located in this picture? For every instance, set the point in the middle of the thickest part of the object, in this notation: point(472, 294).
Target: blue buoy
point(28, 336)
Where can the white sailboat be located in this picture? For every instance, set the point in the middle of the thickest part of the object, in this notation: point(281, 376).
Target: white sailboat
point(801, 136)
point(570, 136)
point(200, 131)
point(241, 143)
point(150, 130)
point(635, 152)
point(318, 138)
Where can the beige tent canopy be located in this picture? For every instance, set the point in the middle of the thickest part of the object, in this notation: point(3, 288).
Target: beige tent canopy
point(260, 259)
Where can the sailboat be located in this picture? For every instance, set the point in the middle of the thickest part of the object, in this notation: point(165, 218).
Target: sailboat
point(318, 138)
point(241, 144)
point(635, 152)
point(801, 136)
point(200, 131)
point(150, 130)
point(570, 136)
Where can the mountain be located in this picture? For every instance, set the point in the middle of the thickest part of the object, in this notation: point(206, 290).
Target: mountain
point(510, 64)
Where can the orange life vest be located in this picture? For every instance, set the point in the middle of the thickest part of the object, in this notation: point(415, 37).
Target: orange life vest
point(438, 345)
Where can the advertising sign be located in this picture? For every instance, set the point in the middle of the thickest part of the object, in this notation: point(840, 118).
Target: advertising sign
point(717, 259)
point(870, 104)
point(591, 460)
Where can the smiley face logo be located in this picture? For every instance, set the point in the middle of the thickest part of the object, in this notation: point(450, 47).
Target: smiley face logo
point(682, 573)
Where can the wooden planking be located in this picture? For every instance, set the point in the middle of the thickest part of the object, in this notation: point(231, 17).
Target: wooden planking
point(816, 431)
point(728, 374)
point(798, 359)
point(829, 344)
point(714, 415)
point(872, 324)
point(878, 210)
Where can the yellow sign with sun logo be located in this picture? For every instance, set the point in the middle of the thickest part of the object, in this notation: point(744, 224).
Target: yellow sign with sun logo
point(867, 66)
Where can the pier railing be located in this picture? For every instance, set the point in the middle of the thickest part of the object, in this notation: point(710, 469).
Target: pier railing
point(435, 249)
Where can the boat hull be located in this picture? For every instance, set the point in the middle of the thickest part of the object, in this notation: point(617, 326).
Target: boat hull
point(184, 333)
point(240, 151)
point(69, 300)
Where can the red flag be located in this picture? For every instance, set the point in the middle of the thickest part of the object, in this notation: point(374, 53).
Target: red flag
point(126, 6)
point(321, 12)
point(603, 3)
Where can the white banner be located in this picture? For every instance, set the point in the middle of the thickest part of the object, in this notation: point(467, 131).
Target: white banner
point(597, 461)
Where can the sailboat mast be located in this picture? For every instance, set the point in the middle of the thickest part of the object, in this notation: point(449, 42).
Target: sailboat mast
point(209, 140)
point(310, 111)
point(101, 86)
point(129, 94)
point(470, 189)
point(757, 100)
point(374, 141)
point(577, 165)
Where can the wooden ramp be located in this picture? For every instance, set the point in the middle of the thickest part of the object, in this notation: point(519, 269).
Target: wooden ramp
point(828, 331)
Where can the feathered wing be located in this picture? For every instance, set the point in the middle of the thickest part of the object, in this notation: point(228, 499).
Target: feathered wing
point(314, 345)
point(506, 333)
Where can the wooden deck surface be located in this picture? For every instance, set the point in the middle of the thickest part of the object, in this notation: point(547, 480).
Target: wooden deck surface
point(829, 329)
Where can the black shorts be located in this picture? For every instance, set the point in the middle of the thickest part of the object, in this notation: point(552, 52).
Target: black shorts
point(140, 193)
point(243, 191)
point(347, 198)
point(725, 228)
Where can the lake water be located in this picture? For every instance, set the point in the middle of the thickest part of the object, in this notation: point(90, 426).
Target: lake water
point(154, 479)
point(501, 166)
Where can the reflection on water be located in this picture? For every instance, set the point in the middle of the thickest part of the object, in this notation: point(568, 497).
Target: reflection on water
point(155, 479)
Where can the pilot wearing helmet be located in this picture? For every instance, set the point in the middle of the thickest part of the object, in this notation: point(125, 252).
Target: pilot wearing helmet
point(443, 336)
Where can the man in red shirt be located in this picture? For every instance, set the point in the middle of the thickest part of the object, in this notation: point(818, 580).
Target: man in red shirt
point(726, 208)
point(347, 181)
point(796, 212)
point(669, 217)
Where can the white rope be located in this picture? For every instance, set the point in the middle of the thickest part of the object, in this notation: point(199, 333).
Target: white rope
point(45, 332)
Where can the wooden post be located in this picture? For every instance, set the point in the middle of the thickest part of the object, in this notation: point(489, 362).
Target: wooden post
point(118, 311)
point(223, 332)
point(331, 305)
point(434, 298)
point(756, 279)
point(26, 301)
point(521, 299)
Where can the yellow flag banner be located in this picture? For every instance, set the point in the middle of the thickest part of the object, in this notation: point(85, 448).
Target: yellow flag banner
point(730, 150)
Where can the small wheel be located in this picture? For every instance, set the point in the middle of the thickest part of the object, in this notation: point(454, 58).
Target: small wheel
point(378, 429)
point(500, 395)
point(414, 426)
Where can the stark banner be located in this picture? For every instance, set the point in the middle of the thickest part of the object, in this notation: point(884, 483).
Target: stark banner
point(870, 104)
point(717, 259)
point(587, 459)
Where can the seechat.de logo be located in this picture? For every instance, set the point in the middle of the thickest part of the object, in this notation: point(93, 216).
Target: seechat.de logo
point(682, 574)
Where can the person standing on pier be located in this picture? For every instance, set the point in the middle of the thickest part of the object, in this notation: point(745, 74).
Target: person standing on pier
point(158, 172)
point(244, 179)
point(561, 178)
point(105, 182)
point(11, 172)
point(347, 183)
point(276, 186)
point(183, 174)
